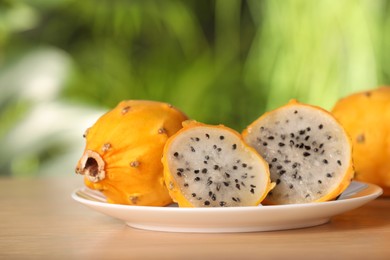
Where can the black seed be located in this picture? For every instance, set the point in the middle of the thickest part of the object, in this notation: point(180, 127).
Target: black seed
point(226, 183)
point(227, 174)
point(244, 165)
point(192, 149)
point(315, 149)
point(252, 176)
point(282, 172)
point(234, 146)
point(279, 167)
point(307, 195)
point(204, 170)
point(252, 191)
point(176, 154)
point(179, 174)
point(236, 180)
point(208, 136)
point(193, 195)
point(207, 157)
point(236, 199)
point(234, 167)
point(216, 167)
point(244, 176)
point(294, 165)
point(292, 135)
point(210, 193)
point(329, 175)
point(222, 203)
point(213, 197)
point(205, 162)
point(196, 171)
point(197, 139)
point(215, 146)
point(221, 137)
point(287, 161)
point(271, 137)
point(301, 145)
point(209, 182)
point(295, 175)
point(325, 161)
point(207, 203)
point(307, 137)
point(306, 154)
point(265, 144)
point(253, 186)
point(281, 144)
point(329, 137)
point(297, 145)
point(262, 128)
point(197, 179)
point(291, 186)
point(270, 165)
point(218, 186)
point(319, 181)
point(320, 126)
point(274, 159)
point(321, 145)
point(238, 186)
point(307, 147)
point(308, 129)
point(180, 169)
point(185, 184)
point(219, 149)
point(277, 181)
point(292, 142)
point(302, 132)
point(295, 112)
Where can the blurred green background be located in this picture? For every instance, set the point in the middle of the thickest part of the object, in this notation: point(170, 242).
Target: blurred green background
point(65, 62)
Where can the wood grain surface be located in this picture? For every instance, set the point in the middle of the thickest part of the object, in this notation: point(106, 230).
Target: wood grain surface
point(39, 220)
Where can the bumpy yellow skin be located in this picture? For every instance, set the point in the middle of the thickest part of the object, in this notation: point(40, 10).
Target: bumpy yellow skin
point(349, 173)
point(366, 117)
point(130, 141)
point(174, 189)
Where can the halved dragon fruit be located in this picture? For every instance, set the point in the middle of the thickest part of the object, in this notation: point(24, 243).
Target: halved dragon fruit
point(211, 166)
point(308, 152)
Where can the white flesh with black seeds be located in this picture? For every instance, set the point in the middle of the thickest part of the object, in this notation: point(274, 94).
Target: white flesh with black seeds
point(307, 151)
point(213, 168)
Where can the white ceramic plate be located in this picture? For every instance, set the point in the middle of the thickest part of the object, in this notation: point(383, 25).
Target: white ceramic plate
point(233, 219)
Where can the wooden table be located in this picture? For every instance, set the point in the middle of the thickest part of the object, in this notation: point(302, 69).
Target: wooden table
point(38, 219)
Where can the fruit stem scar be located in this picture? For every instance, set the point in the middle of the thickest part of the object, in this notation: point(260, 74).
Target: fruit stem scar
point(91, 165)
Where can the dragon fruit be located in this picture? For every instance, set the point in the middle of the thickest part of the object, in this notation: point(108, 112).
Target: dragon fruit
point(366, 118)
point(122, 157)
point(211, 166)
point(308, 152)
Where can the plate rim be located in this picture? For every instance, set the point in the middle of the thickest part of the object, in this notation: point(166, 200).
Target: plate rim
point(376, 193)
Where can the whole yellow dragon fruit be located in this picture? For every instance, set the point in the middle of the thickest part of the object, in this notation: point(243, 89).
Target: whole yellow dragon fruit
point(122, 157)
